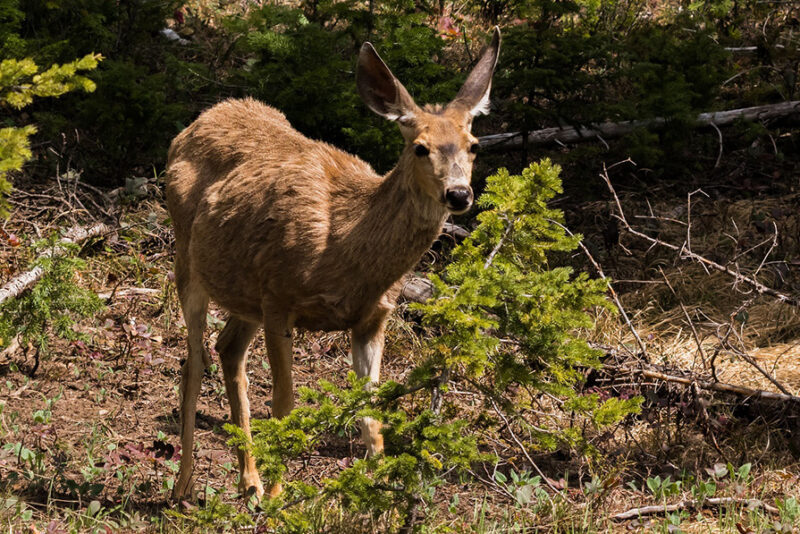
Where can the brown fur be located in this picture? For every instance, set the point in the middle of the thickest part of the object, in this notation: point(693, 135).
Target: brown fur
point(283, 231)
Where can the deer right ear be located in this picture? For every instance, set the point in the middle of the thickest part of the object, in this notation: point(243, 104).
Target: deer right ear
point(380, 90)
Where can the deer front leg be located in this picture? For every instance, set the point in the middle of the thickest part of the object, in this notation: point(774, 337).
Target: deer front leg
point(232, 347)
point(367, 345)
point(278, 336)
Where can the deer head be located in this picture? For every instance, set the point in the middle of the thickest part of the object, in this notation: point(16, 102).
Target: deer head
point(439, 148)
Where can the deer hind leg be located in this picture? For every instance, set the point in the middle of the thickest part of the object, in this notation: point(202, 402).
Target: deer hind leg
point(194, 302)
point(232, 347)
point(278, 336)
point(367, 341)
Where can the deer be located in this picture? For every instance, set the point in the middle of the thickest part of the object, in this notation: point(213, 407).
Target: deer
point(285, 232)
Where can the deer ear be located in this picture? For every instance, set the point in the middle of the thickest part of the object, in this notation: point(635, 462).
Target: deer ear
point(474, 94)
point(380, 90)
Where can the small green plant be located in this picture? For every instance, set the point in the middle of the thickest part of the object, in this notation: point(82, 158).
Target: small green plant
point(673, 520)
point(522, 486)
point(740, 475)
point(31, 462)
point(789, 510)
point(702, 490)
point(663, 488)
point(52, 303)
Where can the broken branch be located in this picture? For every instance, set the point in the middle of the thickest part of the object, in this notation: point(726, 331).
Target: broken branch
point(14, 287)
point(689, 503)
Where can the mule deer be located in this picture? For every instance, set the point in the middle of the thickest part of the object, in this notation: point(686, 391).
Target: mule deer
point(283, 231)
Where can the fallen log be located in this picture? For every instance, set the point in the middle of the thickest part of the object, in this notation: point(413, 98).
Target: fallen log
point(416, 289)
point(610, 130)
point(454, 230)
point(14, 287)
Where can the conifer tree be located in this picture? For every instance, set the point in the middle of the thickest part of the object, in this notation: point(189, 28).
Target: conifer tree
point(20, 83)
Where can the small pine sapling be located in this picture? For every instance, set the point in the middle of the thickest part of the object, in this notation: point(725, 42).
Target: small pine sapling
point(500, 318)
point(505, 318)
point(52, 304)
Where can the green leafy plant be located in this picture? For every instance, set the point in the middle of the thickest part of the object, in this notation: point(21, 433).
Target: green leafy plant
point(703, 490)
point(789, 511)
point(503, 317)
point(524, 487)
point(663, 488)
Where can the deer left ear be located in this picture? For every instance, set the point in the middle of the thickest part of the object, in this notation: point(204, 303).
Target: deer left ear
point(474, 94)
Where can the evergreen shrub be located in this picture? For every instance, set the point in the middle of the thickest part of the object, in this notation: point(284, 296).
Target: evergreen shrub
point(503, 324)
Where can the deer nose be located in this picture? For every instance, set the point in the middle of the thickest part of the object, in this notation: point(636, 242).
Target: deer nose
point(459, 198)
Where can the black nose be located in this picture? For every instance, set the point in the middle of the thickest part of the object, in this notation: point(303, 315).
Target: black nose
point(458, 198)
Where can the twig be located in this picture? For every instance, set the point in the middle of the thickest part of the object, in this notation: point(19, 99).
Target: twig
point(719, 155)
point(130, 291)
point(688, 319)
point(690, 503)
point(436, 391)
point(716, 386)
point(614, 295)
point(496, 249)
point(746, 357)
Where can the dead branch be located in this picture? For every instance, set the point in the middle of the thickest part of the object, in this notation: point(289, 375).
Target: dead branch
point(713, 386)
point(692, 504)
point(614, 295)
point(685, 253)
point(14, 287)
point(608, 130)
point(130, 292)
point(525, 451)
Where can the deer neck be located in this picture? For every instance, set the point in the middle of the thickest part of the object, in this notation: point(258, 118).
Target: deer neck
point(400, 221)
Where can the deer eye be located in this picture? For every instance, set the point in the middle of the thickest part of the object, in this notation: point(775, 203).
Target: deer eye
point(474, 148)
point(421, 150)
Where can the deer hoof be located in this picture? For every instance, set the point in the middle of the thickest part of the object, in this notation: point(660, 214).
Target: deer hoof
point(251, 487)
point(182, 490)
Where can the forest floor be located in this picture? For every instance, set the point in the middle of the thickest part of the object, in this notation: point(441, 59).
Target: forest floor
point(89, 430)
